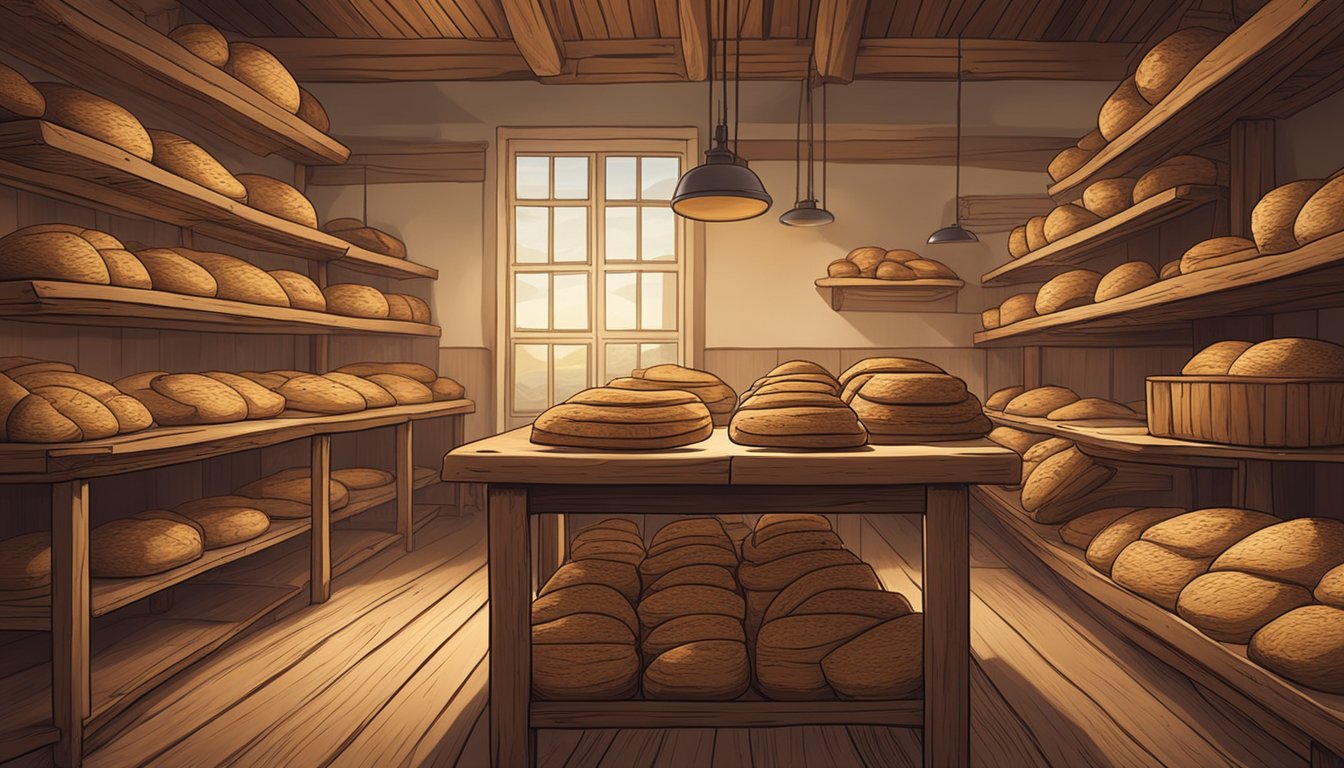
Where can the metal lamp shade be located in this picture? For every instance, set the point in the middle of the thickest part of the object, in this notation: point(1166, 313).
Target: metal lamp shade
point(953, 234)
point(806, 214)
point(720, 190)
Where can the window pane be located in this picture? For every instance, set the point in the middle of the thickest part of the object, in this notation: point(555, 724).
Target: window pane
point(571, 302)
point(571, 370)
point(658, 238)
point(530, 233)
point(621, 301)
point(621, 234)
point(533, 181)
point(571, 234)
point(620, 178)
point(657, 177)
point(657, 354)
point(621, 359)
point(531, 301)
point(571, 178)
point(529, 378)
point(658, 301)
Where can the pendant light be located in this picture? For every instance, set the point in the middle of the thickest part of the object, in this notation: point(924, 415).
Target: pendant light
point(806, 212)
point(956, 233)
point(722, 188)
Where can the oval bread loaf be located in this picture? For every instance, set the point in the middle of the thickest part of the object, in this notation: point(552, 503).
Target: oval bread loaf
point(255, 67)
point(19, 100)
point(1071, 289)
point(776, 574)
point(1067, 161)
point(1081, 530)
point(1067, 219)
point(689, 629)
point(843, 268)
point(1092, 140)
point(885, 662)
point(1126, 530)
point(1092, 408)
point(850, 576)
point(171, 271)
point(224, 525)
point(1036, 238)
point(301, 291)
point(262, 403)
point(584, 671)
point(374, 240)
point(1296, 357)
point(405, 390)
point(1216, 252)
point(142, 546)
point(1274, 218)
point(622, 577)
point(177, 155)
point(238, 280)
point(1017, 440)
point(354, 300)
point(1055, 488)
point(319, 394)
point(989, 318)
point(1170, 269)
point(1177, 171)
point(789, 652)
point(1121, 110)
point(278, 199)
point(1305, 645)
point(131, 414)
point(1001, 397)
point(28, 255)
point(1109, 196)
point(1040, 401)
point(1230, 606)
point(704, 575)
point(444, 388)
point(1330, 589)
point(894, 270)
point(421, 373)
point(375, 396)
point(866, 258)
point(1299, 551)
point(686, 600)
point(1155, 572)
point(585, 598)
point(1322, 214)
point(125, 269)
point(1171, 59)
point(1207, 532)
point(1126, 278)
point(95, 116)
point(1017, 242)
point(25, 563)
point(204, 41)
point(310, 111)
point(1016, 308)
point(705, 670)
point(362, 478)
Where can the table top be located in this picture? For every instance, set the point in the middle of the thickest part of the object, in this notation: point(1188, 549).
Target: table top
point(511, 459)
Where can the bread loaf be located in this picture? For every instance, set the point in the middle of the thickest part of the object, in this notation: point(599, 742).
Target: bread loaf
point(1040, 401)
point(1215, 359)
point(706, 670)
point(311, 112)
point(184, 158)
point(1036, 233)
point(1177, 171)
point(914, 389)
point(1230, 606)
point(618, 419)
point(1121, 110)
point(1155, 572)
point(91, 115)
point(886, 365)
point(1067, 161)
point(877, 603)
point(1054, 490)
point(686, 529)
point(1014, 439)
point(1217, 252)
point(689, 629)
point(19, 100)
point(407, 391)
point(777, 573)
point(1322, 214)
point(295, 487)
point(884, 662)
point(421, 373)
point(1274, 218)
point(27, 255)
point(142, 546)
point(1017, 242)
point(1108, 544)
point(171, 271)
point(375, 396)
point(397, 307)
point(717, 396)
point(262, 403)
point(1108, 197)
point(301, 291)
point(1080, 531)
point(237, 280)
point(989, 318)
point(622, 577)
point(130, 414)
point(687, 599)
point(1071, 289)
point(1017, 307)
point(607, 549)
point(256, 68)
point(278, 199)
point(224, 521)
point(843, 268)
point(1092, 408)
point(798, 427)
point(789, 652)
point(444, 388)
point(374, 240)
point(1168, 62)
point(355, 300)
point(319, 394)
point(1001, 397)
point(651, 569)
point(1295, 357)
point(787, 544)
point(1207, 532)
point(204, 41)
point(1066, 219)
point(267, 380)
point(125, 269)
point(25, 564)
point(180, 399)
point(866, 258)
point(585, 598)
point(1170, 269)
point(894, 270)
point(1126, 278)
point(851, 576)
point(1042, 451)
point(929, 268)
point(1305, 645)
point(1299, 551)
point(580, 655)
point(703, 575)
point(362, 478)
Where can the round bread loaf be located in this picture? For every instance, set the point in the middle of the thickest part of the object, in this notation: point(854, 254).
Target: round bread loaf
point(223, 525)
point(1017, 242)
point(77, 109)
point(171, 271)
point(405, 390)
point(1170, 269)
point(1000, 398)
point(914, 389)
point(800, 427)
point(1322, 214)
point(1177, 171)
point(125, 269)
point(1155, 572)
point(1216, 252)
point(895, 270)
point(1013, 439)
point(1168, 62)
point(622, 577)
point(1207, 532)
point(204, 41)
point(1067, 161)
point(1036, 233)
point(354, 300)
point(1126, 530)
point(1071, 289)
point(585, 598)
point(789, 653)
point(704, 670)
point(850, 576)
point(989, 318)
point(1215, 359)
point(237, 280)
point(929, 268)
point(256, 68)
point(1121, 110)
point(1305, 645)
point(1300, 551)
point(686, 600)
point(1016, 308)
point(1040, 401)
point(1080, 531)
point(843, 268)
point(1109, 196)
point(319, 394)
point(301, 291)
point(867, 258)
point(1274, 218)
point(444, 388)
point(1054, 490)
point(311, 112)
point(278, 199)
point(1126, 278)
point(885, 662)
point(689, 629)
point(202, 400)
point(18, 98)
point(25, 563)
point(1294, 357)
point(1230, 606)
point(184, 158)
point(262, 403)
point(1092, 408)
point(137, 546)
point(421, 373)
point(27, 255)
point(704, 575)
point(375, 396)
point(1330, 590)
point(1067, 219)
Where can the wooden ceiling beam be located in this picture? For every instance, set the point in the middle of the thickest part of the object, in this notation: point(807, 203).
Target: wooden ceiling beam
point(835, 45)
point(535, 36)
point(694, 25)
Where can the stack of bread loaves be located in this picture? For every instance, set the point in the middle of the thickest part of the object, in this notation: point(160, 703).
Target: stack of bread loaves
point(606, 418)
point(49, 402)
point(882, 264)
point(717, 396)
point(898, 404)
point(584, 627)
point(691, 614)
point(796, 405)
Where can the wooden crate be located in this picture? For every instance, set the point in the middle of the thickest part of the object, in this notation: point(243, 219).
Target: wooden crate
point(1248, 410)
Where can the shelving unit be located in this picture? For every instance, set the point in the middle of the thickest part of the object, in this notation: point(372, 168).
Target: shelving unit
point(858, 294)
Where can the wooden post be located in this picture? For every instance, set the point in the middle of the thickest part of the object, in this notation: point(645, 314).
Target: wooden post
point(947, 628)
point(320, 536)
point(1254, 487)
point(1252, 171)
point(319, 344)
point(70, 616)
point(510, 628)
point(457, 427)
point(404, 472)
point(1031, 367)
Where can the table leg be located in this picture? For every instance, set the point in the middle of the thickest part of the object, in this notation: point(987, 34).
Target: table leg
point(511, 743)
point(405, 480)
point(319, 581)
point(457, 436)
point(70, 616)
point(947, 622)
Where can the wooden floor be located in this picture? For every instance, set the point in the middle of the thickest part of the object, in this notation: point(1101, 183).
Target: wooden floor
point(392, 671)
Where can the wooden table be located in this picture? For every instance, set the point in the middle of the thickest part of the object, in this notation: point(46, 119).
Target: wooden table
point(719, 477)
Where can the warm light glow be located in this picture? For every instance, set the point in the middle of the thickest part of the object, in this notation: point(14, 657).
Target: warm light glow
point(720, 208)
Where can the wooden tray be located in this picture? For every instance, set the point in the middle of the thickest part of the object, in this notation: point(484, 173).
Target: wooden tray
point(1248, 410)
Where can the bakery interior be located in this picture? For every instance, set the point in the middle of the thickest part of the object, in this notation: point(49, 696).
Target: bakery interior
point(671, 383)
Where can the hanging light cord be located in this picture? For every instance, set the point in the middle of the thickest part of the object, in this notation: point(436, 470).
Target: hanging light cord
point(798, 149)
point(709, 123)
point(737, 72)
point(823, 144)
point(811, 136)
point(956, 201)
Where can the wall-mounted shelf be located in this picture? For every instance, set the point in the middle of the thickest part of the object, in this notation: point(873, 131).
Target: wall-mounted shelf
point(1076, 249)
point(52, 160)
point(1284, 58)
point(101, 46)
point(866, 294)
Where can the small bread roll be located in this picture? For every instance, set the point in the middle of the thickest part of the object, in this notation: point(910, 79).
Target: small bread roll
point(18, 98)
point(1017, 242)
point(1322, 214)
point(1168, 62)
point(1071, 289)
point(1067, 161)
point(355, 300)
point(1217, 251)
point(1109, 196)
point(1126, 278)
point(1018, 307)
point(1036, 238)
point(867, 258)
point(843, 268)
point(278, 199)
point(1067, 219)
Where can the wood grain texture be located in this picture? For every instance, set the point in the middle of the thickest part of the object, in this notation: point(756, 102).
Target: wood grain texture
point(535, 36)
point(404, 474)
point(921, 145)
point(693, 31)
point(947, 638)
point(71, 696)
point(862, 294)
point(388, 161)
point(319, 542)
point(745, 714)
point(1000, 213)
point(511, 742)
point(1252, 171)
point(835, 42)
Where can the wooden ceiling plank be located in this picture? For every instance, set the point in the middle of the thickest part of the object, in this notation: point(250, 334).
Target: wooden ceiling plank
point(412, 13)
point(620, 61)
point(835, 45)
point(1034, 25)
point(565, 23)
point(301, 17)
point(955, 15)
point(440, 19)
point(935, 59)
point(937, 147)
point(902, 19)
point(229, 14)
point(927, 19)
point(386, 22)
point(372, 60)
point(535, 36)
point(340, 17)
point(667, 18)
point(693, 21)
point(644, 13)
point(987, 16)
point(459, 19)
point(751, 18)
point(592, 24)
point(479, 22)
point(1085, 25)
point(878, 18)
point(1064, 17)
point(1116, 20)
point(620, 23)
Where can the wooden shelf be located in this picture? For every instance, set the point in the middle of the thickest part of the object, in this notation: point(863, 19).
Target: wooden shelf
point(36, 463)
point(1220, 667)
point(1130, 441)
point(867, 294)
point(100, 46)
point(1284, 58)
point(363, 501)
point(641, 713)
point(1083, 245)
point(1310, 277)
point(62, 303)
point(52, 160)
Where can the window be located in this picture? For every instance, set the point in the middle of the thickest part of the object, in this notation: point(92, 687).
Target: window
point(594, 262)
